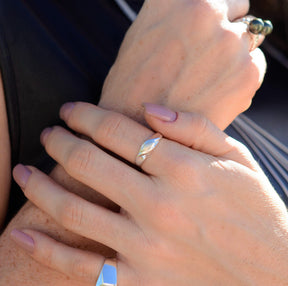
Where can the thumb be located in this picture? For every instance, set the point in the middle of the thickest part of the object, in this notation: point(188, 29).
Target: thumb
point(196, 131)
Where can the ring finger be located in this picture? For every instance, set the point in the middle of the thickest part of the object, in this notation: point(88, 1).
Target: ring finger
point(97, 169)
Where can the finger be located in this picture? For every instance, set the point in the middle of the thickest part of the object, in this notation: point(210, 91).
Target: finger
point(259, 66)
point(242, 39)
point(237, 8)
point(79, 265)
point(242, 24)
point(231, 9)
point(95, 168)
point(74, 213)
point(113, 131)
point(196, 131)
point(247, 43)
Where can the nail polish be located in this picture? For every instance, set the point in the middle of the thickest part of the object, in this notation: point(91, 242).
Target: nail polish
point(23, 240)
point(66, 109)
point(21, 175)
point(44, 135)
point(160, 112)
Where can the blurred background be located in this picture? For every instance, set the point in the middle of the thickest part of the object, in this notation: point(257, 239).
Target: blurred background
point(277, 12)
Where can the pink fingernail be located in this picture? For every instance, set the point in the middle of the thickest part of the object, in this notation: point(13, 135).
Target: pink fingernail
point(21, 175)
point(66, 110)
point(44, 135)
point(23, 240)
point(160, 112)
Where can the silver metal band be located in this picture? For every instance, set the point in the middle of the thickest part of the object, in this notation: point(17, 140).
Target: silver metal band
point(108, 275)
point(147, 147)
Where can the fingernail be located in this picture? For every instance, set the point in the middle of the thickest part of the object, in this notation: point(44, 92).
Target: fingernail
point(160, 112)
point(21, 175)
point(66, 109)
point(44, 135)
point(23, 240)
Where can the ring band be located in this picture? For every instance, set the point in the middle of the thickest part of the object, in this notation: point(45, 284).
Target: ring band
point(147, 147)
point(256, 27)
point(108, 274)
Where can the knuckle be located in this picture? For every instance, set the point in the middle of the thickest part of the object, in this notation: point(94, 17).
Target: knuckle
point(257, 70)
point(252, 72)
point(81, 270)
point(246, 103)
point(241, 148)
point(200, 13)
point(200, 125)
point(48, 256)
point(250, 77)
point(231, 43)
point(243, 7)
point(204, 9)
point(71, 214)
point(200, 122)
point(81, 159)
point(111, 125)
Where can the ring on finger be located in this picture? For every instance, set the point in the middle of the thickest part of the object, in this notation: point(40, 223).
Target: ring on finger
point(147, 147)
point(257, 27)
point(108, 274)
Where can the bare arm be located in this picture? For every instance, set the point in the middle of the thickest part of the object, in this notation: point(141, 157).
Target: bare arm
point(5, 165)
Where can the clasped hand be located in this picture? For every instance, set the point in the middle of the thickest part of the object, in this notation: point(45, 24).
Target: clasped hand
point(200, 212)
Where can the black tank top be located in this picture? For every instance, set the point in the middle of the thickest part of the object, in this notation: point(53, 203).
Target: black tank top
point(51, 52)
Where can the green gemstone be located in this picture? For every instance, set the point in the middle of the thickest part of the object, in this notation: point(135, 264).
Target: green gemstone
point(256, 26)
point(268, 28)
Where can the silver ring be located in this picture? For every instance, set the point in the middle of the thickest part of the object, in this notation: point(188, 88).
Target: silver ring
point(108, 274)
point(147, 147)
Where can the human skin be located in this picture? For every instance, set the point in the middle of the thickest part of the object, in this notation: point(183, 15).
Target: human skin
point(188, 86)
point(18, 267)
point(188, 214)
point(5, 175)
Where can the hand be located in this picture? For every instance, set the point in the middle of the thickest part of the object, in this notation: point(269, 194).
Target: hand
point(205, 215)
point(188, 55)
point(35, 218)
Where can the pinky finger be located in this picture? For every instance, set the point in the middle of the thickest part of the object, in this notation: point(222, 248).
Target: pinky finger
point(80, 265)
